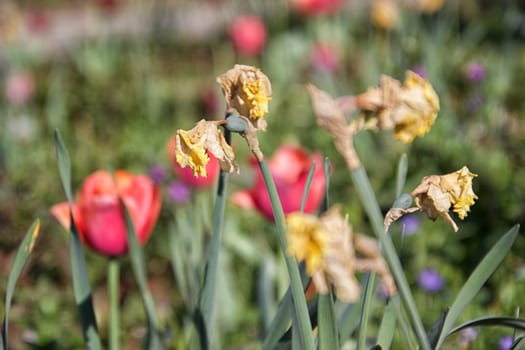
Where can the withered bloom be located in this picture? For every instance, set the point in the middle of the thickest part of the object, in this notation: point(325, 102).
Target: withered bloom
point(191, 147)
point(410, 110)
point(435, 195)
point(248, 91)
point(331, 117)
point(333, 253)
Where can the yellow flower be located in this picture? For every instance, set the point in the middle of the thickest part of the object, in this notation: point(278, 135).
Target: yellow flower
point(190, 154)
point(435, 195)
point(385, 14)
point(306, 240)
point(191, 148)
point(416, 109)
point(256, 99)
point(248, 91)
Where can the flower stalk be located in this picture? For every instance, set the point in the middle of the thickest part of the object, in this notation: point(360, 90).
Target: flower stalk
point(114, 309)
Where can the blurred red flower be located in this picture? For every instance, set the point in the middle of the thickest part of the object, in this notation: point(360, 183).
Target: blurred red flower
point(99, 217)
point(19, 87)
point(186, 174)
point(248, 35)
point(289, 166)
point(323, 57)
point(316, 7)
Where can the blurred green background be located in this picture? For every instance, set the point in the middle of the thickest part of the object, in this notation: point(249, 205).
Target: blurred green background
point(118, 78)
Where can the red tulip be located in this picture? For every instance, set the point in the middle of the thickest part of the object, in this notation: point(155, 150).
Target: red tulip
point(186, 174)
point(316, 7)
point(289, 167)
point(248, 35)
point(99, 217)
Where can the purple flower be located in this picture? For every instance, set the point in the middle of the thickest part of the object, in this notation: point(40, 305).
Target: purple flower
point(475, 72)
point(430, 280)
point(475, 102)
point(157, 173)
point(466, 336)
point(410, 224)
point(179, 192)
point(419, 70)
point(505, 343)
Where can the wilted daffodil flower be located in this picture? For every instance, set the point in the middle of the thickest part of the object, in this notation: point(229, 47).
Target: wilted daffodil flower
point(409, 110)
point(333, 254)
point(248, 91)
point(191, 146)
point(436, 194)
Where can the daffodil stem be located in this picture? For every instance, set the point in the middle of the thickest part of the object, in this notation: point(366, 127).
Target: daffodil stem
point(207, 296)
point(373, 211)
point(114, 312)
point(299, 301)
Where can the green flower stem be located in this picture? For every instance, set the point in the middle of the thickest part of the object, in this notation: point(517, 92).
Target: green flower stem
point(207, 296)
point(114, 312)
point(373, 211)
point(300, 308)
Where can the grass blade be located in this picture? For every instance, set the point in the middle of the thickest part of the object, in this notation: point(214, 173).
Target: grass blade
point(153, 341)
point(22, 254)
point(516, 323)
point(477, 279)
point(307, 187)
point(365, 313)
point(402, 167)
point(81, 285)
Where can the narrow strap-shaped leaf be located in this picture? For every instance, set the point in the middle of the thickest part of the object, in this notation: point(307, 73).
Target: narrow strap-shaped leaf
point(299, 300)
point(307, 187)
point(280, 322)
point(328, 331)
point(518, 344)
point(388, 325)
point(22, 254)
point(515, 323)
point(153, 341)
point(477, 279)
point(365, 313)
point(368, 198)
point(402, 167)
point(81, 285)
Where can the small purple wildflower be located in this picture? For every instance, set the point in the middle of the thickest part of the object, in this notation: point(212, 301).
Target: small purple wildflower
point(179, 192)
point(467, 336)
point(475, 102)
point(157, 173)
point(430, 280)
point(505, 343)
point(410, 224)
point(475, 72)
point(419, 70)
point(382, 292)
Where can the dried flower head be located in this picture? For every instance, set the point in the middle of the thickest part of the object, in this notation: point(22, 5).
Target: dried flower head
point(333, 254)
point(248, 91)
point(191, 148)
point(409, 110)
point(435, 195)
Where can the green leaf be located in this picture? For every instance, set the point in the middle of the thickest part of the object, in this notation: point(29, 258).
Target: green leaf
point(516, 323)
point(477, 279)
point(153, 341)
point(307, 187)
point(365, 314)
point(402, 167)
point(299, 302)
point(280, 322)
point(388, 325)
point(64, 165)
point(328, 332)
point(518, 344)
point(22, 254)
point(81, 285)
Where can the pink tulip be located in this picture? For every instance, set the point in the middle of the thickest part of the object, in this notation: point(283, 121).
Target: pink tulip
point(99, 217)
point(19, 87)
point(316, 7)
point(323, 57)
point(248, 35)
point(289, 167)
